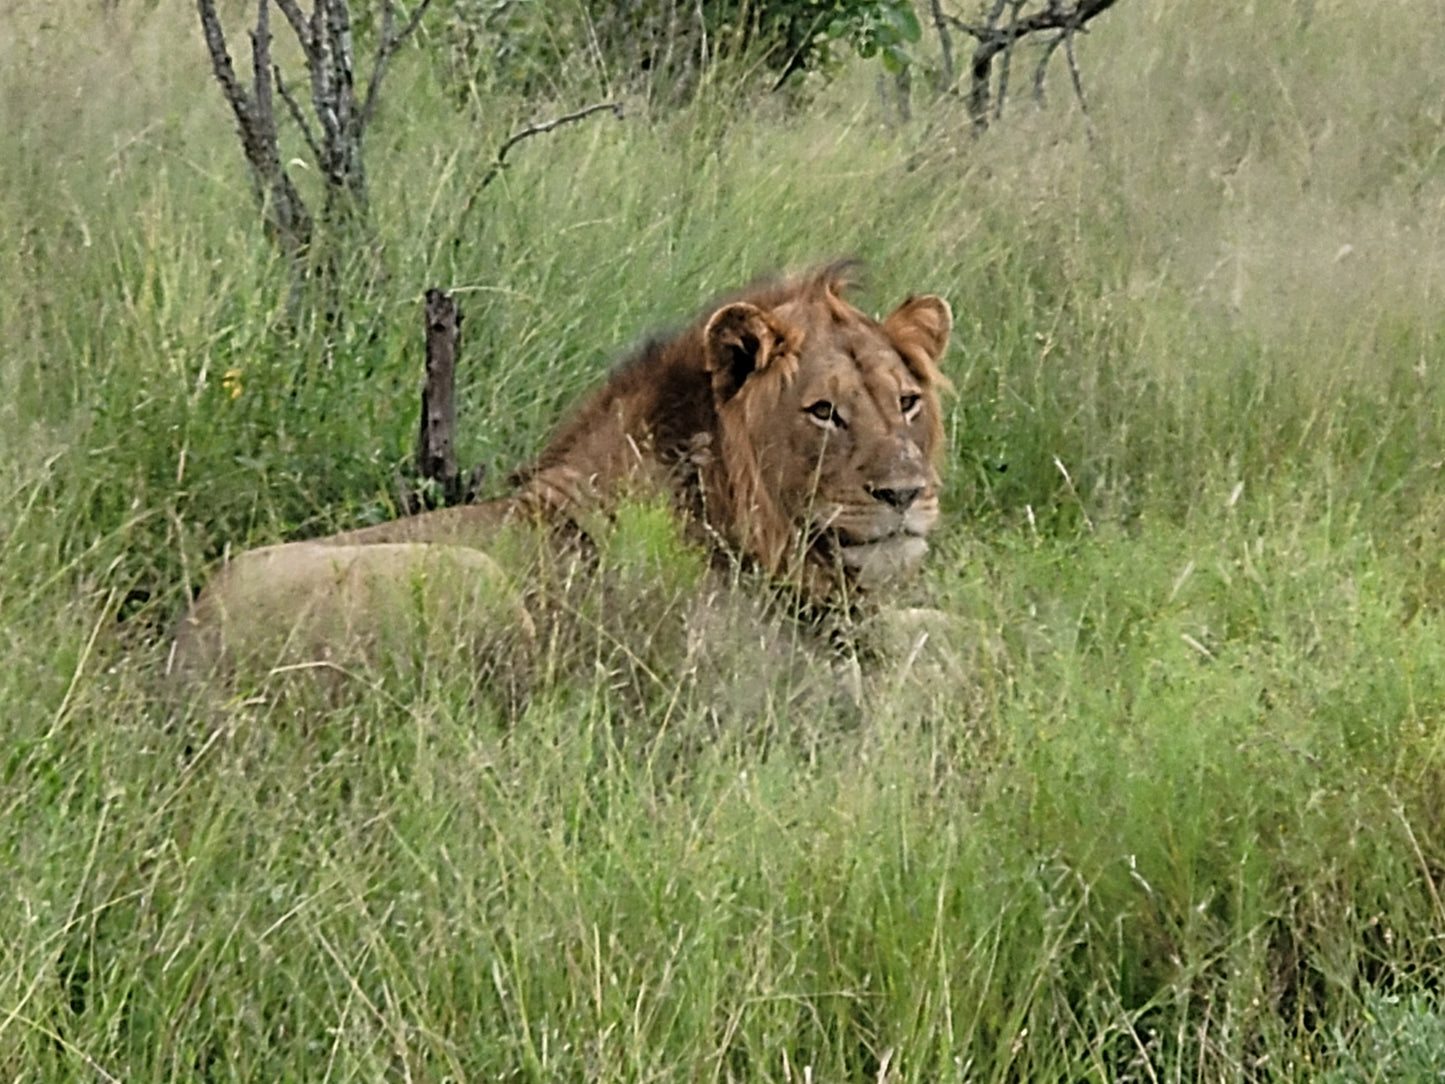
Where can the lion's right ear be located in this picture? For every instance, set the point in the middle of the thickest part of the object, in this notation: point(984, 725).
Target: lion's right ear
point(923, 322)
point(740, 340)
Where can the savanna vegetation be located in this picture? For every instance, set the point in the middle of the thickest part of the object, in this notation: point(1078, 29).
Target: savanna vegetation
point(1169, 810)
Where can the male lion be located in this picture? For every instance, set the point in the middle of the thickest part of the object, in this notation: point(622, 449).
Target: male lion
point(785, 427)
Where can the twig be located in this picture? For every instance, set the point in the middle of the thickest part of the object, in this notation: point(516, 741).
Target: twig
point(296, 114)
point(556, 122)
point(1074, 68)
point(1039, 72)
point(993, 39)
point(1008, 57)
point(945, 42)
point(536, 128)
point(390, 42)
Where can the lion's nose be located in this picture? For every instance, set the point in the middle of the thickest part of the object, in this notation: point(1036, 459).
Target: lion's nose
point(899, 497)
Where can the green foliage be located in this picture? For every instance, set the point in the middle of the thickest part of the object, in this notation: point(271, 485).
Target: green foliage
point(885, 28)
point(802, 35)
point(663, 45)
point(1158, 800)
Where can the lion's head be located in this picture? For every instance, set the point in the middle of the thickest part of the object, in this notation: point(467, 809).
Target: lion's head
point(828, 431)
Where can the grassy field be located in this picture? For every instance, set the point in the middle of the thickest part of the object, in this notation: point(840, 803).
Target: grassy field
point(1175, 814)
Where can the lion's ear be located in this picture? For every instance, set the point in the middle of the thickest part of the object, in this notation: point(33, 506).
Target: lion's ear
point(740, 340)
point(921, 323)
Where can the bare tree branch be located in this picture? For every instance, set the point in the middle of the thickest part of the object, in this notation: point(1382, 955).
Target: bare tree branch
point(539, 127)
point(333, 130)
point(411, 24)
point(526, 132)
point(1050, 47)
point(945, 41)
point(221, 62)
point(294, 107)
point(294, 16)
point(261, 68)
point(331, 83)
point(260, 65)
point(1006, 68)
point(436, 452)
point(390, 42)
point(285, 213)
point(383, 53)
point(1074, 69)
point(993, 39)
point(556, 122)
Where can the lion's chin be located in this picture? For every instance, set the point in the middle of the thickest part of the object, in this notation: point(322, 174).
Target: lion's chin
point(874, 563)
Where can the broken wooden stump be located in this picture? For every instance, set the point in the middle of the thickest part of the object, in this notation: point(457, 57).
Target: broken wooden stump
point(436, 451)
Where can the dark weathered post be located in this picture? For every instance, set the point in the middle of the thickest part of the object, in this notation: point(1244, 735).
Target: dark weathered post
point(436, 449)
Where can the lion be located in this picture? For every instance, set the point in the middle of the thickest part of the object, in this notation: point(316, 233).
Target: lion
point(788, 431)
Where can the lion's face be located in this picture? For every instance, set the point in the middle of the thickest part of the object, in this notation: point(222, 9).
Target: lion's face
point(831, 430)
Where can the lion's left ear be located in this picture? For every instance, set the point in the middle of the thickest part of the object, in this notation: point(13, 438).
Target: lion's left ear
point(740, 340)
point(921, 324)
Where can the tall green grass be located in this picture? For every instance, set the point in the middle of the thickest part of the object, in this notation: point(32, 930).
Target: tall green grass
point(1162, 805)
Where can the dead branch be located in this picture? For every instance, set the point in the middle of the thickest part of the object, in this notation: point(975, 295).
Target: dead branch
point(995, 36)
point(334, 132)
point(1042, 70)
point(298, 22)
point(1006, 67)
point(547, 126)
point(945, 40)
point(284, 213)
point(526, 132)
point(1074, 69)
point(294, 108)
point(390, 42)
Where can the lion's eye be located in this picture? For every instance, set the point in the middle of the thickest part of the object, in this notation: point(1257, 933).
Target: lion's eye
point(824, 413)
point(909, 404)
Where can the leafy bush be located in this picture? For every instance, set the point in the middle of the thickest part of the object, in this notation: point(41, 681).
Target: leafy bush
point(664, 44)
